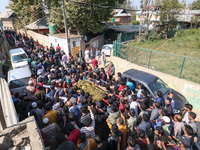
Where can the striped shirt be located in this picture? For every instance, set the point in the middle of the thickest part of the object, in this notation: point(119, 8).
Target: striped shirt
point(89, 131)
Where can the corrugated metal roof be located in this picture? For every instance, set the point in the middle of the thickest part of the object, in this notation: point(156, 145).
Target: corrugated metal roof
point(121, 13)
point(42, 23)
point(6, 13)
point(126, 28)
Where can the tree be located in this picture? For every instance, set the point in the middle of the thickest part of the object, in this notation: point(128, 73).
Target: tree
point(27, 11)
point(134, 22)
point(85, 18)
point(168, 10)
point(195, 5)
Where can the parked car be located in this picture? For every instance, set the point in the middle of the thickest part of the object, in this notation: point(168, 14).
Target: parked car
point(152, 84)
point(107, 49)
point(18, 58)
point(18, 79)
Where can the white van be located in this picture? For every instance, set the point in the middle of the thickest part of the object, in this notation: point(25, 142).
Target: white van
point(18, 58)
point(18, 79)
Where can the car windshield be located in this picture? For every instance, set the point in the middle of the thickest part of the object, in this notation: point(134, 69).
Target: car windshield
point(106, 48)
point(159, 85)
point(19, 58)
point(19, 83)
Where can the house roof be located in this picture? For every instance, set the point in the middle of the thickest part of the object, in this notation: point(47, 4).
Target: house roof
point(42, 23)
point(63, 35)
point(121, 13)
point(126, 28)
point(6, 13)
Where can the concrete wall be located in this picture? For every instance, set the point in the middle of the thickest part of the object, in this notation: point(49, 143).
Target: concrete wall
point(8, 24)
point(190, 90)
point(95, 42)
point(43, 39)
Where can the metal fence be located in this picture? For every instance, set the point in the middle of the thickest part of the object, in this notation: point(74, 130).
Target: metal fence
point(181, 66)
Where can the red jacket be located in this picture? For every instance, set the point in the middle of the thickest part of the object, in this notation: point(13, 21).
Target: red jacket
point(121, 88)
point(74, 136)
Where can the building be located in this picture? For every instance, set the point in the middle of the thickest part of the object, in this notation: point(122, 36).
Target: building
point(122, 16)
point(74, 42)
point(151, 15)
point(187, 16)
point(39, 26)
point(7, 17)
point(130, 32)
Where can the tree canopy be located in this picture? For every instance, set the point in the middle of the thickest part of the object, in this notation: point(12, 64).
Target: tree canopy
point(168, 10)
point(85, 18)
point(195, 5)
point(27, 11)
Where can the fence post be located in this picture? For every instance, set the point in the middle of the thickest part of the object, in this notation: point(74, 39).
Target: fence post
point(115, 47)
point(127, 53)
point(181, 67)
point(149, 59)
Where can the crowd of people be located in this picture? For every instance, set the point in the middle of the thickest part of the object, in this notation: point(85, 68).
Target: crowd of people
point(125, 118)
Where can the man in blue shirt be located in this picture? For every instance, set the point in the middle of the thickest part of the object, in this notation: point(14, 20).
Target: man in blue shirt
point(51, 93)
point(160, 99)
point(130, 84)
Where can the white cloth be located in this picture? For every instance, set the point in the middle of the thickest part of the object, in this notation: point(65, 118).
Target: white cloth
point(185, 118)
point(134, 106)
point(87, 56)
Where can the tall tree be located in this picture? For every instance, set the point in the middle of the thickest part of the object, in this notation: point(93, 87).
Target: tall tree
point(168, 10)
point(85, 18)
point(27, 11)
point(195, 5)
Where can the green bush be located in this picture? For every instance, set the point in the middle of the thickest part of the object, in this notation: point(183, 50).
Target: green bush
point(134, 22)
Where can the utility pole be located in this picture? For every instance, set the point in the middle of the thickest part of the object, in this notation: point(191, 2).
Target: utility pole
point(67, 50)
point(156, 15)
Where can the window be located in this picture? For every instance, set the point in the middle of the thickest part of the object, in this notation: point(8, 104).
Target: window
point(159, 85)
point(74, 43)
point(19, 58)
point(19, 83)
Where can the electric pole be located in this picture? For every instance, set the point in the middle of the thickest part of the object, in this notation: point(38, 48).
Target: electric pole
point(66, 31)
point(156, 14)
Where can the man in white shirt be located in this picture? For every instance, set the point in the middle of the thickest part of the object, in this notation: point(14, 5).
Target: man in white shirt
point(188, 108)
point(134, 104)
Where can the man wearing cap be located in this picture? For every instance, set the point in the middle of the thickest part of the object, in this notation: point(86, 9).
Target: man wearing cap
point(38, 114)
point(50, 130)
point(30, 90)
point(167, 126)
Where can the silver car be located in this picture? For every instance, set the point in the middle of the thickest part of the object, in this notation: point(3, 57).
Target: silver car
point(18, 79)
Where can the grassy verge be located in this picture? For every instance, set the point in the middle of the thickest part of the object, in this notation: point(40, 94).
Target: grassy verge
point(185, 43)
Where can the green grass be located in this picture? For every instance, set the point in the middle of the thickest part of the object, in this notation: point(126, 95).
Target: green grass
point(185, 43)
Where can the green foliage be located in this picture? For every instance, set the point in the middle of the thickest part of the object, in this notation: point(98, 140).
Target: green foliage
point(85, 18)
point(153, 37)
point(26, 11)
point(195, 22)
point(134, 22)
point(169, 8)
point(195, 5)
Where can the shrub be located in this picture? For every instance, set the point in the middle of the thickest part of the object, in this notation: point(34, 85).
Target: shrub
point(134, 22)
